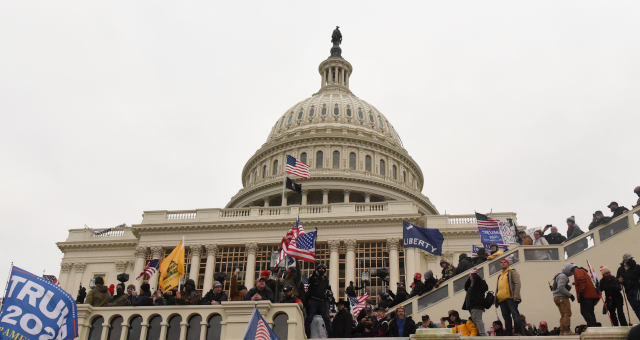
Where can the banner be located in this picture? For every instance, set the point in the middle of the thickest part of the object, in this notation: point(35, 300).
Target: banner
point(490, 235)
point(508, 231)
point(34, 308)
point(172, 269)
point(429, 240)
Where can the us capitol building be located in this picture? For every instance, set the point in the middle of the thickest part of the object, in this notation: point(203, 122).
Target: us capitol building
point(363, 185)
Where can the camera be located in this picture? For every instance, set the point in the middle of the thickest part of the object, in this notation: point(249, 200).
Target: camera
point(123, 277)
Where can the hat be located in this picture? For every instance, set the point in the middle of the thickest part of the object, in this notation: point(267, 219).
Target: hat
point(262, 278)
point(543, 323)
point(265, 272)
point(612, 203)
point(217, 284)
point(626, 257)
point(599, 212)
point(287, 288)
point(604, 269)
point(417, 276)
point(504, 260)
point(443, 261)
point(571, 219)
point(474, 271)
point(111, 289)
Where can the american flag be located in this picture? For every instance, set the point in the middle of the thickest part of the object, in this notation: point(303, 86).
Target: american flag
point(258, 329)
point(150, 269)
point(303, 247)
point(486, 221)
point(297, 168)
point(293, 233)
point(51, 278)
point(594, 277)
point(357, 304)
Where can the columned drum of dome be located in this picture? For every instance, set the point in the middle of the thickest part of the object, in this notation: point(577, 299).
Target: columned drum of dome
point(347, 142)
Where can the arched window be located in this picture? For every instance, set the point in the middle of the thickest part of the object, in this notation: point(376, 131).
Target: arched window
point(173, 331)
point(215, 327)
point(394, 172)
point(303, 158)
point(360, 114)
point(135, 328)
point(367, 163)
point(264, 171)
point(381, 122)
point(300, 114)
point(154, 328)
point(383, 171)
point(193, 330)
point(319, 156)
point(312, 111)
point(336, 110)
point(348, 111)
point(116, 328)
point(324, 109)
point(352, 161)
point(336, 159)
point(96, 328)
point(370, 117)
point(280, 326)
point(404, 177)
point(275, 167)
point(290, 118)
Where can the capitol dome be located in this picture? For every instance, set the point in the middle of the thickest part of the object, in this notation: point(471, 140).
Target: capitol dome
point(354, 153)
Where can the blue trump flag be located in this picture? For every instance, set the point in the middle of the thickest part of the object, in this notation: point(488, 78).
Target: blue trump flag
point(259, 329)
point(429, 240)
point(34, 308)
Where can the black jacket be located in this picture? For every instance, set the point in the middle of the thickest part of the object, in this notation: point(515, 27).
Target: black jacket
point(409, 327)
point(211, 296)
point(599, 222)
point(318, 285)
point(464, 264)
point(611, 288)
point(574, 232)
point(399, 297)
point(143, 300)
point(631, 276)
point(266, 294)
point(418, 288)
point(619, 211)
point(556, 238)
point(475, 294)
point(342, 324)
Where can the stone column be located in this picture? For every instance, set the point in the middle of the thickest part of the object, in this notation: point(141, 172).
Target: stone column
point(325, 197)
point(65, 268)
point(156, 253)
point(78, 272)
point(208, 271)
point(394, 263)
point(334, 266)
point(266, 202)
point(284, 199)
point(138, 267)
point(367, 198)
point(195, 263)
point(346, 196)
point(250, 275)
point(304, 197)
point(350, 268)
point(409, 262)
point(183, 329)
point(164, 326)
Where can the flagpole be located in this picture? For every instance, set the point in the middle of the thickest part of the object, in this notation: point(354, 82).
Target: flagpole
point(6, 286)
point(179, 279)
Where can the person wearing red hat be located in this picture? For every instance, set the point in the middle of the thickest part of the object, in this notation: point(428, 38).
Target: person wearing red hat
point(613, 298)
point(508, 297)
point(543, 329)
point(418, 287)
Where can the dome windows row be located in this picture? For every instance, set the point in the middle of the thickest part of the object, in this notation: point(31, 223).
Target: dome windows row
point(297, 116)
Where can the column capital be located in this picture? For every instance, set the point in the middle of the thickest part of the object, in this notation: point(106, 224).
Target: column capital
point(251, 247)
point(392, 243)
point(121, 266)
point(65, 267)
point(79, 267)
point(351, 245)
point(325, 191)
point(196, 249)
point(156, 252)
point(211, 249)
point(334, 245)
point(141, 251)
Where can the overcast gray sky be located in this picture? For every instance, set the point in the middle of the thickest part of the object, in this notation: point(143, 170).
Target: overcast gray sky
point(112, 108)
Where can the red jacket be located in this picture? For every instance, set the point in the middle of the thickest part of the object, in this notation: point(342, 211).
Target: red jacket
point(584, 285)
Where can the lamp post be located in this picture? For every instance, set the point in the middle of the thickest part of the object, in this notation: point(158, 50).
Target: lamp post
point(365, 278)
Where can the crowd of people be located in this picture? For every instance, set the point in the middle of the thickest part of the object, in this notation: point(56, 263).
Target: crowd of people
point(325, 317)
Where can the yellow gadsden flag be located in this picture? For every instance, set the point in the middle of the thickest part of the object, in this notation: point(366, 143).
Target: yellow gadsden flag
point(172, 268)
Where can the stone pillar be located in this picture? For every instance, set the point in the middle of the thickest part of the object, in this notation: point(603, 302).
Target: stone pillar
point(78, 272)
point(367, 198)
point(164, 326)
point(334, 267)
point(325, 197)
point(194, 270)
point(65, 269)
point(183, 329)
point(203, 329)
point(208, 271)
point(250, 275)
point(350, 268)
point(304, 197)
point(284, 199)
point(409, 262)
point(138, 267)
point(266, 202)
point(394, 263)
point(156, 253)
point(346, 196)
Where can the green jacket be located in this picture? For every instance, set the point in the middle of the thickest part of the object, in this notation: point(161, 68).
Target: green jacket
point(98, 296)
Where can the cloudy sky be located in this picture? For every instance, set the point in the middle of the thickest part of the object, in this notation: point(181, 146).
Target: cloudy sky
point(112, 108)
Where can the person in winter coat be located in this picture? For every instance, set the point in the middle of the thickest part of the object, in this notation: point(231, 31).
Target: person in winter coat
point(99, 295)
point(464, 263)
point(587, 295)
point(351, 290)
point(539, 240)
point(599, 219)
point(498, 329)
point(400, 296)
point(448, 271)
point(382, 327)
point(190, 296)
point(494, 251)
point(573, 230)
point(144, 298)
point(386, 301)
point(418, 287)
point(342, 321)
point(120, 299)
point(260, 292)
point(482, 256)
point(613, 298)
point(293, 278)
point(215, 296)
point(554, 236)
point(562, 295)
point(508, 297)
point(401, 325)
point(316, 300)
point(629, 275)
point(476, 288)
point(462, 327)
point(429, 281)
point(525, 239)
point(616, 209)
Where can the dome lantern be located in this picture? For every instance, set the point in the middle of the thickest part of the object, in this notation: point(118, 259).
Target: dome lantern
point(335, 71)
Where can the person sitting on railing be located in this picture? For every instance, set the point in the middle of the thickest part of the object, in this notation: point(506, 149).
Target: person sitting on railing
point(401, 325)
point(417, 287)
point(494, 251)
point(190, 296)
point(462, 327)
point(429, 280)
point(400, 296)
point(448, 271)
point(554, 237)
point(524, 239)
point(599, 219)
point(215, 295)
point(99, 295)
point(573, 230)
point(120, 299)
point(464, 263)
point(616, 209)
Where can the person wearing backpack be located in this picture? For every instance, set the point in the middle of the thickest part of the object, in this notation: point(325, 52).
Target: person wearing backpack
point(562, 295)
point(474, 302)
